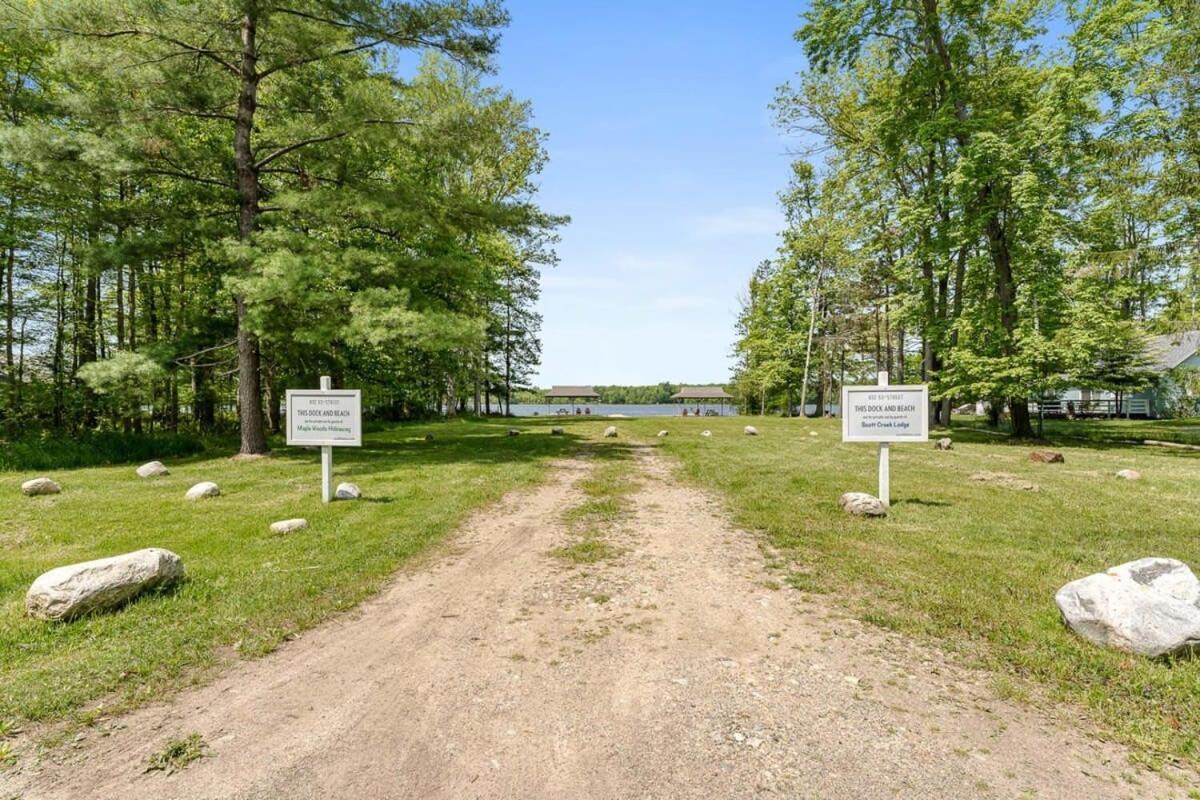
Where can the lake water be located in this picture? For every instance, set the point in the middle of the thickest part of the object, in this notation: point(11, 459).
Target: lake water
point(627, 409)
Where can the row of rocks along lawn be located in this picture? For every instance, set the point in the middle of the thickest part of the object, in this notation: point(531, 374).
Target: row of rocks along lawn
point(67, 592)
point(1150, 607)
point(71, 591)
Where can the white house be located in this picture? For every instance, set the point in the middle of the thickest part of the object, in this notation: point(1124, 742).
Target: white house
point(1167, 352)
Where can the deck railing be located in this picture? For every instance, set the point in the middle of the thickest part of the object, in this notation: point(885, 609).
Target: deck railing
point(1126, 407)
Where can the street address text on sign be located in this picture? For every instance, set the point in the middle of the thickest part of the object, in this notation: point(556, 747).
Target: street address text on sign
point(329, 418)
point(885, 413)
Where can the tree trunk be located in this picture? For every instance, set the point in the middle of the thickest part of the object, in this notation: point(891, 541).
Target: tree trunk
point(60, 327)
point(120, 307)
point(133, 282)
point(9, 316)
point(274, 396)
point(203, 405)
point(1022, 426)
point(1006, 299)
point(249, 392)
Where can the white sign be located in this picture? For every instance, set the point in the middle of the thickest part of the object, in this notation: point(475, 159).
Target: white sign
point(329, 417)
point(885, 413)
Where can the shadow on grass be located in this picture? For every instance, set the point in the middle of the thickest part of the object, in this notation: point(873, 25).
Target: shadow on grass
point(917, 501)
point(1118, 441)
point(484, 441)
point(153, 594)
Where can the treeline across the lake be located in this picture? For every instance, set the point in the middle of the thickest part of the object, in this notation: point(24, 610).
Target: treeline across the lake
point(999, 198)
point(651, 394)
point(203, 204)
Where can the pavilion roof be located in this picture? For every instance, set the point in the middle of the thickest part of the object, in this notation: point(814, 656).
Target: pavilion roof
point(702, 393)
point(572, 391)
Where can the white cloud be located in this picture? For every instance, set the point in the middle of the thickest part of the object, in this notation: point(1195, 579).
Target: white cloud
point(740, 221)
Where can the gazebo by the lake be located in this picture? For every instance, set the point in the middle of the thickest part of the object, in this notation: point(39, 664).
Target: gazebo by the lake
point(571, 394)
point(703, 396)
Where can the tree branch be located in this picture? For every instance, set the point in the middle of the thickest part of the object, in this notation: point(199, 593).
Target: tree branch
point(212, 55)
point(262, 162)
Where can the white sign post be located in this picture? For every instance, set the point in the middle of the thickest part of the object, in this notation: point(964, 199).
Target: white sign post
point(327, 418)
point(885, 414)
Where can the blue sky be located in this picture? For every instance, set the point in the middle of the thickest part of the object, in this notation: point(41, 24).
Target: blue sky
point(662, 151)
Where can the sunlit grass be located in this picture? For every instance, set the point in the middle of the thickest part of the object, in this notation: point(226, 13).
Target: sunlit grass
point(246, 589)
point(974, 566)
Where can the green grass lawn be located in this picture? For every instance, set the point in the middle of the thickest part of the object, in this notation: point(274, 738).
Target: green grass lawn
point(246, 589)
point(970, 565)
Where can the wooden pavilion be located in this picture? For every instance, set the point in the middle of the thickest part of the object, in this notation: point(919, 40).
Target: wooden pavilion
point(571, 394)
point(703, 396)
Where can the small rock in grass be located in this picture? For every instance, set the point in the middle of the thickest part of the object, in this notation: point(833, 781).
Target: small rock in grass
point(945, 443)
point(513, 432)
point(289, 525)
point(202, 490)
point(556, 430)
point(1046, 456)
point(1150, 607)
point(812, 433)
point(610, 432)
point(750, 430)
point(662, 434)
point(40, 486)
point(67, 592)
point(862, 504)
point(706, 434)
point(347, 491)
point(1129, 475)
point(153, 469)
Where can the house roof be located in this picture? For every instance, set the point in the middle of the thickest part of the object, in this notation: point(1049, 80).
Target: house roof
point(702, 393)
point(572, 391)
point(1170, 350)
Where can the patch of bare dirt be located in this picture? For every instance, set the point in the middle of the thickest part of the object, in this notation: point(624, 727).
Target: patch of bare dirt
point(672, 671)
point(1005, 479)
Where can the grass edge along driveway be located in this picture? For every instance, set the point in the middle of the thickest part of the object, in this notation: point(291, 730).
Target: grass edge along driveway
point(973, 566)
point(246, 590)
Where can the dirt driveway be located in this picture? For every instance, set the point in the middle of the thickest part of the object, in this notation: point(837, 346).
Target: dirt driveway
point(676, 670)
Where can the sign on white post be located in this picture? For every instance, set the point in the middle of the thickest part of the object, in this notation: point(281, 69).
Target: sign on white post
point(327, 418)
point(885, 414)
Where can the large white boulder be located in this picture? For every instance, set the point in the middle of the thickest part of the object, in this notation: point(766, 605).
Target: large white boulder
point(347, 491)
point(1150, 607)
point(153, 469)
point(862, 504)
point(750, 430)
point(610, 432)
point(289, 525)
point(67, 592)
point(40, 486)
point(202, 490)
